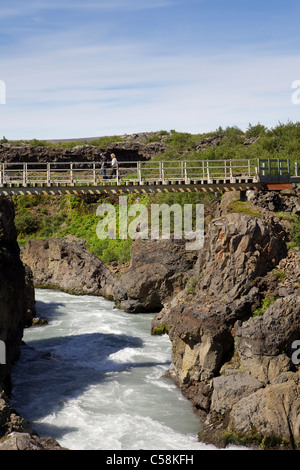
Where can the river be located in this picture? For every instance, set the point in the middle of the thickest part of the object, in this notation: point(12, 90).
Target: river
point(93, 379)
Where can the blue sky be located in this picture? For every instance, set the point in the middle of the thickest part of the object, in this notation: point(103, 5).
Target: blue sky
point(105, 67)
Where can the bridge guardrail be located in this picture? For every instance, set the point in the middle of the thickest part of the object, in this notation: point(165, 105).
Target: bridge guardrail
point(147, 172)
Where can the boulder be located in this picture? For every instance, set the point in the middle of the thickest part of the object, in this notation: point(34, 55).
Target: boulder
point(25, 441)
point(273, 411)
point(159, 270)
point(230, 389)
point(238, 248)
point(264, 343)
point(70, 267)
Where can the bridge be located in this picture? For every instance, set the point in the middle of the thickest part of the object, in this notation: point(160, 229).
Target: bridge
point(147, 177)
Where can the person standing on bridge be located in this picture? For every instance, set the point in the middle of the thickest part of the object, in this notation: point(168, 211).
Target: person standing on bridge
point(103, 165)
point(114, 165)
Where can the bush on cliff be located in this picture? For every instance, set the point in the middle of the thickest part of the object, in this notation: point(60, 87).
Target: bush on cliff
point(295, 231)
point(26, 224)
point(58, 217)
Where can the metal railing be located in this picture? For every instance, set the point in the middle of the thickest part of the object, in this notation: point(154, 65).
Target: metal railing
point(139, 173)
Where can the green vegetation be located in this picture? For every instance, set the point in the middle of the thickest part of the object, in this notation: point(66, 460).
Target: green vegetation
point(282, 141)
point(159, 331)
point(49, 217)
point(266, 303)
point(278, 275)
point(257, 440)
point(295, 230)
point(283, 216)
point(241, 207)
point(43, 216)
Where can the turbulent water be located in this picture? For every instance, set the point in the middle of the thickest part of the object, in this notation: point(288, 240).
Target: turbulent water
point(92, 379)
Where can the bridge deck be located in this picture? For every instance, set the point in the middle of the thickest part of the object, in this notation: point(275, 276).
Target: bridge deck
point(152, 176)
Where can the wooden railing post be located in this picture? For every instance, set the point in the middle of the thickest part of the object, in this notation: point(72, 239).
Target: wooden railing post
point(24, 174)
point(48, 174)
point(207, 169)
point(71, 175)
point(139, 172)
point(94, 174)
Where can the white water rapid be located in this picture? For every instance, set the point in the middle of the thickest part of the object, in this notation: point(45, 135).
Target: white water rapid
point(92, 379)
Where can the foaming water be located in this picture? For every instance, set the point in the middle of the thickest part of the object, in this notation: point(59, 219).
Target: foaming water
point(92, 379)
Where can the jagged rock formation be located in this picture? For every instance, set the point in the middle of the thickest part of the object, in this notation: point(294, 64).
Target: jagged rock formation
point(237, 249)
point(16, 309)
point(12, 290)
point(236, 369)
point(125, 151)
point(159, 270)
point(16, 433)
point(70, 267)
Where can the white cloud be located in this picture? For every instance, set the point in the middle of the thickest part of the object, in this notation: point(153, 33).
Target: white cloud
point(62, 86)
point(20, 8)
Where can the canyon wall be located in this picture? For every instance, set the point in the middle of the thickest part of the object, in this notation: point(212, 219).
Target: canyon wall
point(230, 356)
point(17, 308)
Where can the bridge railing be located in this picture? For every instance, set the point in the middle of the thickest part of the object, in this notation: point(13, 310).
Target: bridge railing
point(198, 169)
point(147, 172)
point(274, 169)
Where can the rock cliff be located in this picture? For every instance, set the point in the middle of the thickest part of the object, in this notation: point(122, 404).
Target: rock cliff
point(12, 290)
point(125, 151)
point(235, 367)
point(70, 267)
point(16, 309)
point(159, 270)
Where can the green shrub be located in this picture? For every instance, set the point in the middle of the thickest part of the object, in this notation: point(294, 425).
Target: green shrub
point(26, 224)
point(295, 231)
point(266, 303)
